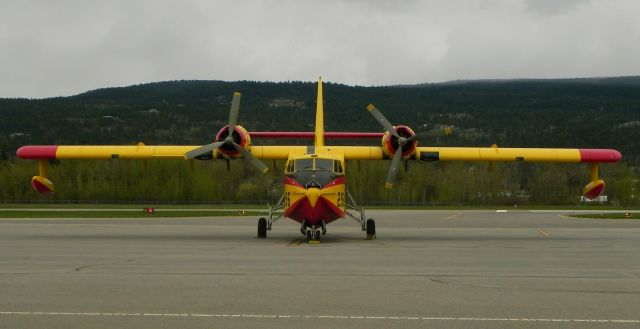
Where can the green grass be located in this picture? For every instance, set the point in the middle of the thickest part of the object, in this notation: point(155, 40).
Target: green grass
point(631, 215)
point(128, 206)
point(259, 207)
point(123, 214)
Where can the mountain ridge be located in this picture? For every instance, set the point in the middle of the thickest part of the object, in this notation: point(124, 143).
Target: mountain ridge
point(588, 112)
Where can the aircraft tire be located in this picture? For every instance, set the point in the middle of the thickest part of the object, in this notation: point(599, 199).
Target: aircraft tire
point(371, 229)
point(309, 235)
point(262, 228)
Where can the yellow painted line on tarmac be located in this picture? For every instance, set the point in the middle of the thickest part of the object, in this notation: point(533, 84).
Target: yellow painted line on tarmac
point(296, 242)
point(293, 243)
point(454, 215)
point(545, 233)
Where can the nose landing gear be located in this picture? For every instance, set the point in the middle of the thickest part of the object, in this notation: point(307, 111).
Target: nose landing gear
point(313, 232)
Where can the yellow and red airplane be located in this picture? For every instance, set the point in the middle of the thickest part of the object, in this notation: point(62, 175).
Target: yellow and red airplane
point(315, 191)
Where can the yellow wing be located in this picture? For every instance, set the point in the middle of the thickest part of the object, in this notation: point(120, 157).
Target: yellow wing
point(142, 152)
point(138, 152)
point(516, 154)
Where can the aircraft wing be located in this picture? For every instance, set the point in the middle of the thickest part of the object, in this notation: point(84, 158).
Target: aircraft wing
point(142, 152)
point(516, 154)
point(136, 152)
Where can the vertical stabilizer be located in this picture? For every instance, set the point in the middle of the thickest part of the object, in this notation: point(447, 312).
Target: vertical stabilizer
point(319, 138)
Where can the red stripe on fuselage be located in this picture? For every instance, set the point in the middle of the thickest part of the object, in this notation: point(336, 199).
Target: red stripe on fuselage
point(37, 152)
point(599, 155)
point(337, 181)
point(290, 181)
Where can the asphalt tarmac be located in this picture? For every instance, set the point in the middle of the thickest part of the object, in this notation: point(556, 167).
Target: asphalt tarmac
point(435, 269)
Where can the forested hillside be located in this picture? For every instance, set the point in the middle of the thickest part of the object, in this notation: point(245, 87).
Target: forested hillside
point(529, 113)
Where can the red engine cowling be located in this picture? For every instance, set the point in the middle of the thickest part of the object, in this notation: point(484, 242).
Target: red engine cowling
point(390, 143)
point(240, 137)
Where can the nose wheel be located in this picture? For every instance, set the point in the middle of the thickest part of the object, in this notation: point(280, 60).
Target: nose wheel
point(313, 235)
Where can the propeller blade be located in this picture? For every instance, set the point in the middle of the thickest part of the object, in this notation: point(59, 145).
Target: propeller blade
point(249, 157)
point(393, 170)
point(202, 150)
point(436, 132)
point(233, 113)
point(383, 121)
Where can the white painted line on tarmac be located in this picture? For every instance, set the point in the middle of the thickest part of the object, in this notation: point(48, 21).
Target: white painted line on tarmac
point(300, 316)
point(454, 215)
point(580, 211)
point(545, 233)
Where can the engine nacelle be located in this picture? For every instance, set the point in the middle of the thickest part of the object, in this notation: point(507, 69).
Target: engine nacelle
point(240, 137)
point(42, 185)
point(390, 143)
point(594, 189)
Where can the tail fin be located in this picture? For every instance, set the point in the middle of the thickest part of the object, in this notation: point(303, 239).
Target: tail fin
point(319, 135)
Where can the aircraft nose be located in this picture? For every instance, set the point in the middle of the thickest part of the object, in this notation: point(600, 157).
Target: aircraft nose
point(313, 194)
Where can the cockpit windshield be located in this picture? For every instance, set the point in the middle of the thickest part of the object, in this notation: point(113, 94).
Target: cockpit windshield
point(315, 164)
point(324, 164)
point(304, 164)
point(314, 171)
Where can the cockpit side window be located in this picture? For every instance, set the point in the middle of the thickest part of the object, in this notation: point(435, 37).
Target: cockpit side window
point(337, 167)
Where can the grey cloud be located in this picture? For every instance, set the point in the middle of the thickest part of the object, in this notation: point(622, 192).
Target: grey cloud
point(556, 7)
point(66, 47)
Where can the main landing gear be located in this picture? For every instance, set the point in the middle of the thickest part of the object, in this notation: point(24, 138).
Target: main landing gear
point(371, 229)
point(262, 228)
point(357, 213)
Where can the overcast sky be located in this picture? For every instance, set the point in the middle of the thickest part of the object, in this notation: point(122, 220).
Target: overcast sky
point(64, 47)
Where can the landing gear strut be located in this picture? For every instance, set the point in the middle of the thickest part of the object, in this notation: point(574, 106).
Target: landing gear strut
point(357, 213)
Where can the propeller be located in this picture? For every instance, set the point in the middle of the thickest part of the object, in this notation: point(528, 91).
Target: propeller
point(435, 132)
point(402, 141)
point(228, 141)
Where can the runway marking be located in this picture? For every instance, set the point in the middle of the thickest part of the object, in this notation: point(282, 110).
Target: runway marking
point(331, 317)
point(545, 233)
point(296, 242)
point(454, 215)
point(293, 243)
